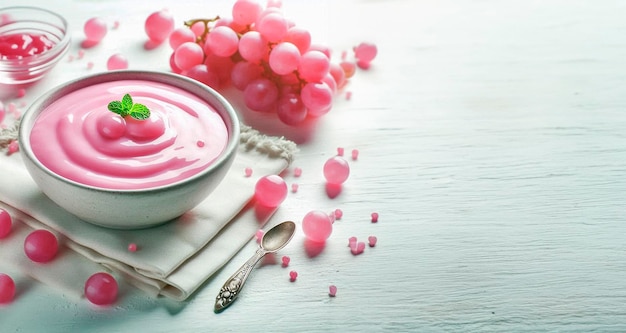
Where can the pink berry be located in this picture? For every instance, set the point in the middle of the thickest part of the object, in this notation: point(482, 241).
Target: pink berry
point(336, 170)
point(340, 151)
point(41, 246)
point(297, 172)
point(117, 61)
point(286, 261)
point(159, 25)
point(355, 154)
point(372, 241)
point(352, 241)
point(132, 247)
point(95, 29)
point(317, 226)
point(7, 288)
point(357, 248)
point(101, 289)
point(270, 191)
point(332, 290)
point(248, 171)
point(365, 52)
point(374, 217)
point(111, 125)
point(338, 214)
point(293, 275)
point(5, 223)
point(14, 147)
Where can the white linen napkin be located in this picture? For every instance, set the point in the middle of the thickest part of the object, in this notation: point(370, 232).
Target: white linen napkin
point(173, 259)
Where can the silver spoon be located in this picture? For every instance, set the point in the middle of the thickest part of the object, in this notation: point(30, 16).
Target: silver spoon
point(273, 240)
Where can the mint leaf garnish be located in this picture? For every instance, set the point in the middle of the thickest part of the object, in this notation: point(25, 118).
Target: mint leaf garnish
point(126, 107)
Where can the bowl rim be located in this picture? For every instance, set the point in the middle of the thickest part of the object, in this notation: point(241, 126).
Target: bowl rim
point(57, 51)
point(204, 92)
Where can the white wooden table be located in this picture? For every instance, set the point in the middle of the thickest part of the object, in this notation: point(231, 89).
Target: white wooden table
point(492, 143)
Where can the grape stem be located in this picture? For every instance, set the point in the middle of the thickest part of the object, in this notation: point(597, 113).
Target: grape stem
point(206, 22)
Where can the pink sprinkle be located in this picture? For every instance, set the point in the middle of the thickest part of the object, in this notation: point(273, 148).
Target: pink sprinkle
point(348, 95)
point(339, 151)
point(259, 235)
point(13, 147)
point(294, 187)
point(286, 261)
point(351, 241)
point(332, 290)
point(357, 248)
point(70, 58)
point(90, 65)
point(292, 276)
point(200, 143)
point(21, 92)
point(338, 214)
point(132, 247)
point(372, 240)
point(355, 154)
point(374, 217)
point(248, 171)
point(297, 172)
point(81, 53)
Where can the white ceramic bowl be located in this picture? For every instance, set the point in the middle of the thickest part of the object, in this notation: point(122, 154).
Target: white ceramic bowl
point(130, 209)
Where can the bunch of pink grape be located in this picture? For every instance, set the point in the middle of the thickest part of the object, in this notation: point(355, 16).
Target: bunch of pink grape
point(267, 57)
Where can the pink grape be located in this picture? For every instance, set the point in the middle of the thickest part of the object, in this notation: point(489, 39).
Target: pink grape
point(299, 37)
point(147, 129)
point(173, 66)
point(198, 28)
point(111, 125)
point(349, 68)
point(338, 74)
point(317, 226)
point(330, 81)
point(314, 65)
point(270, 191)
point(222, 66)
point(95, 29)
point(245, 72)
point(246, 11)
point(117, 61)
point(253, 47)
point(180, 36)
point(322, 48)
point(159, 25)
point(365, 52)
point(41, 246)
point(202, 74)
point(317, 98)
point(7, 288)
point(273, 27)
point(6, 223)
point(260, 94)
point(290, 109)
point(274, 3)
point(284, 58)
point(222, 41)
point(101, 289)
point(228, 22)
point(188, 55)
point(336, 170)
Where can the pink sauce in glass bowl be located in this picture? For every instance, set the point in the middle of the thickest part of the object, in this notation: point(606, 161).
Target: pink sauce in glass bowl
point(122, 172)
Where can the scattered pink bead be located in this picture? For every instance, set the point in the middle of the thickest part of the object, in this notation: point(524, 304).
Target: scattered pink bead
point(357, 248)
point(317, 226)
point(340, 151)
point(70, 58)
point(297, 172)
point(21, 92)
point(365, 52)
point(338, 214)
point(90, 65)
point(101, 289)
point(336, 170)
point(95, 29)
point(286, 260)
point(293, 275)
point(294, 188)
point(81, 53)
point(116, 24)
point(362, 64)
point(348, 95)
point(132, 247)
point(117, 61)
point(259, 235)
point(270, 191)
point(7, 288)
point(372, 241)
point(351, 241)
point(332, 290)
point(248, 171)
point(41, 246)
point(200, 143)
point(374, 217)
point(6, 223)
point(355, 154)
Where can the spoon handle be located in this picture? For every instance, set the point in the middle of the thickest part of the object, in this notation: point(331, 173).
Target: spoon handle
point(232, 287)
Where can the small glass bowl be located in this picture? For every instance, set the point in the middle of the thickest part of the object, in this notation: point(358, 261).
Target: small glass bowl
point(37, 21)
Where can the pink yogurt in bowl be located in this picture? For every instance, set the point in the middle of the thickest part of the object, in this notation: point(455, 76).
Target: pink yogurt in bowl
point(122, 172)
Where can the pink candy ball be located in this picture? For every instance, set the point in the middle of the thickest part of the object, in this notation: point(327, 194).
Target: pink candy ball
point(317, 226)
point(5, 223)
point(7, 288)
point(270, 191)
point(336, 170)
point(41, 246)
point(95, 29)
point(117, 61)
point(101, 289)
